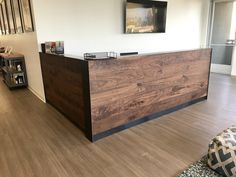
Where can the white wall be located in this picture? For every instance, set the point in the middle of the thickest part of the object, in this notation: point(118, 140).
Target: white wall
point(89, 25)
point(27, 45)
point(205, 22)
point(97, 25)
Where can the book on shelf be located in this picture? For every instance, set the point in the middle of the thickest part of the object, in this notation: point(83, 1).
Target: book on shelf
point(50, 47)
point(18, 78)
point(56, 47)
point(59, 47)
point(15, 66)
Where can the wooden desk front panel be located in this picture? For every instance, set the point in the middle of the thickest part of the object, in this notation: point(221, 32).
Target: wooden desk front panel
point(131, 88)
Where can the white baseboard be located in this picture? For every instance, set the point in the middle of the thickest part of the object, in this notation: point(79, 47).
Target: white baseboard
point(233, 74)
point(36, 94)
point(221, 69)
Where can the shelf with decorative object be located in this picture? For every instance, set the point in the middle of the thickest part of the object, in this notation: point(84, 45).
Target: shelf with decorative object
point(14, 70)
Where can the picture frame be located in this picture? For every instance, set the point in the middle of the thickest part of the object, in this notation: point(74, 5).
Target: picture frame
point(27, 17)
point(145, 16)
point(11, 19)
point(5, 17)
point(1, 28)
point(1, 21)
point(17, 16)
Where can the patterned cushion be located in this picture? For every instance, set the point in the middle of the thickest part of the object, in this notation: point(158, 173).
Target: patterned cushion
point(222, 152)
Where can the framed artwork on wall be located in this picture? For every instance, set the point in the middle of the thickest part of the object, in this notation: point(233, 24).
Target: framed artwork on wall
point(5, 17)
point(10, 16)
point(2, 21)
point(17, 16)
point(28, 25)
point(1, 27)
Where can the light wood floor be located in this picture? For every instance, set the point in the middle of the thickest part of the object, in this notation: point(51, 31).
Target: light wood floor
point(37, 141)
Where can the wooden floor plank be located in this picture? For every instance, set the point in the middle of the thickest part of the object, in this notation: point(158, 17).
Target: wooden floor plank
point(37, 141)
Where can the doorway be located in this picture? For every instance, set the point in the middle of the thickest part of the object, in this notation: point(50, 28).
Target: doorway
point(222, 35)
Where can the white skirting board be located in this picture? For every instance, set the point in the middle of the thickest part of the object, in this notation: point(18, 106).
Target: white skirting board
point(233, 73)
point(221, 69)
point(36, 94)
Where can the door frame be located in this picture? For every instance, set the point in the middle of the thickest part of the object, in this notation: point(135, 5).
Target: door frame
point(218, 68)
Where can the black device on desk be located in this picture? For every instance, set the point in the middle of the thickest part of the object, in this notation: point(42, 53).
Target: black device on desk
point(128, 53)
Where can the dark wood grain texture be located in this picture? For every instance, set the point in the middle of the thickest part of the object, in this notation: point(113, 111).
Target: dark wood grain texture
point(64, 80)
point(101, 96)
point(131, 88)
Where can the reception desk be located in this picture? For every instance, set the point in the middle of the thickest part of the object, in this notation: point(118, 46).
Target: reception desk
point(106, 96)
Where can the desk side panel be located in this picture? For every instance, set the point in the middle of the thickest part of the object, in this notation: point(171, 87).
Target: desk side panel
point(64, 80)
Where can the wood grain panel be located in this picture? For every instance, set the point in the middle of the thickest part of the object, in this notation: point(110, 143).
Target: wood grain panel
point(64, 86)
point(130, 88)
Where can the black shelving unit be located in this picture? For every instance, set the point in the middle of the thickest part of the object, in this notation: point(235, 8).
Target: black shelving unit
point(14, 70)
